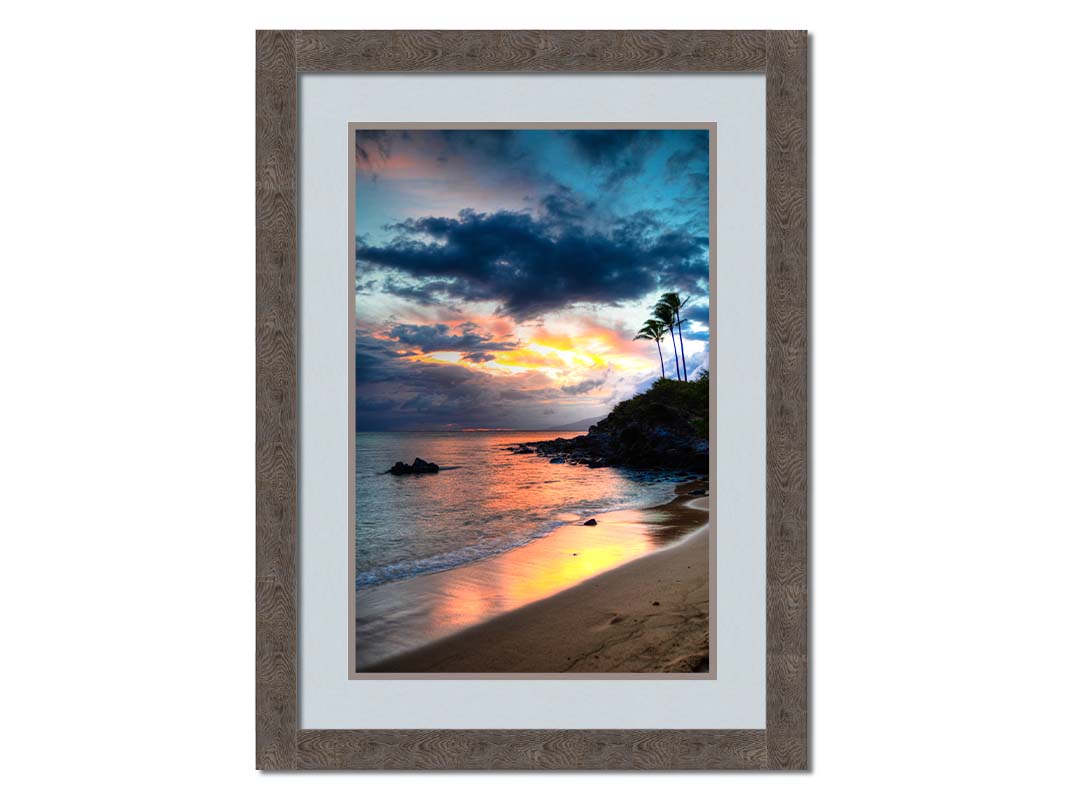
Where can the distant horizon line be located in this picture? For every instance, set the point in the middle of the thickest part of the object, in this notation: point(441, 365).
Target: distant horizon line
point(465, 430)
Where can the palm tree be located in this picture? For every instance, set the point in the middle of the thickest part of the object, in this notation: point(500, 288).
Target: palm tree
point(665, 316)
point(654, 330)
point(673, 305)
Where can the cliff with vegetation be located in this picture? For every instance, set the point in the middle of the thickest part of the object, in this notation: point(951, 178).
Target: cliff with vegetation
point(665, 427)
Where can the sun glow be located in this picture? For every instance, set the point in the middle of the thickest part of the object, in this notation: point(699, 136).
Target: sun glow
point(585, 360)
point(571, 358)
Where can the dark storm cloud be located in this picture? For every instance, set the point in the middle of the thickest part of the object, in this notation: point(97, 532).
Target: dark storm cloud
point(621, 154)
point(377, 363)
point(491, 145)
point(398, 392)
point(698, 181)
point(687, 169)
point(690, 161)
point(375, 359)
point(696, 312)
point(533, 265)
point(432, 338)
point(678, 163)
point(605, 146)
point(529, 394)
point(367, 286)
point(583, 386)
point(427, 293)
point(566, 206)
point(394, 392)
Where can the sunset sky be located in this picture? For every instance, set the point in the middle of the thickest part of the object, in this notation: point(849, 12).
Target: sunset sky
point(502, 275)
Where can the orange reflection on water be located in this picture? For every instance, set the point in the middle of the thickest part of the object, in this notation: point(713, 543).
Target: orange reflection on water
point(484, 499)
point(571, 555)
point(432, 606)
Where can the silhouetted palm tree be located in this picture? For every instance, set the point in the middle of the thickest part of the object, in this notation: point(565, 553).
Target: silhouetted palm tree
point(666, 316)
point(654, 330)
point(672, 305)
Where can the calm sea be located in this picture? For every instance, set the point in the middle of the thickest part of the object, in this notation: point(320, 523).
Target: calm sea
point(485, 500)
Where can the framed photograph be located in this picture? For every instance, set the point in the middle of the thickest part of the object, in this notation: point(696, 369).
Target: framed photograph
point(531, 400)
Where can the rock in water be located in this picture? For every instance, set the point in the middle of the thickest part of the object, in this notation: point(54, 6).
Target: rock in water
point(589, 522)
point(417, 467)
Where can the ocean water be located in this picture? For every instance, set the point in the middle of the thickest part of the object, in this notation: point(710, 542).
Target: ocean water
point(485, 501)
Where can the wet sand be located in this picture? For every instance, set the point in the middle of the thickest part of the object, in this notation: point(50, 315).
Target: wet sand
point(644, 610)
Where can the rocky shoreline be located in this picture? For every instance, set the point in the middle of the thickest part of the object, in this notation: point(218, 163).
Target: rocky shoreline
point(664, 428)
point(661, 450)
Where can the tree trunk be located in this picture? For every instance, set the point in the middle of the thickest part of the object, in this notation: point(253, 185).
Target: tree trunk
point(677, 369)
point(685, 369)
point(662, 371)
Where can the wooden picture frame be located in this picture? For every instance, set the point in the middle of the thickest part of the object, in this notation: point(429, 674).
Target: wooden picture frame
point(281, 56)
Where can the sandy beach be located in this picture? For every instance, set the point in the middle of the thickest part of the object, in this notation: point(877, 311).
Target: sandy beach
point(649, 615)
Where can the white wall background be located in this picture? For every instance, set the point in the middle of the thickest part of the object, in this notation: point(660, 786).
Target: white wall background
point(126, 307)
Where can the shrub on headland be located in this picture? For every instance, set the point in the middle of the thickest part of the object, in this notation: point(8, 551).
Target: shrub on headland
point(679, 404)
point(664, 427)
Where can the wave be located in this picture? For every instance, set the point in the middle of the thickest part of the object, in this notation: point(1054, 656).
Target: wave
point(367, 577)
point(388, 573)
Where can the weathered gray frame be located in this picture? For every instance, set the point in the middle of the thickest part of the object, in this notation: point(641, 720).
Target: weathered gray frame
point(280, 57)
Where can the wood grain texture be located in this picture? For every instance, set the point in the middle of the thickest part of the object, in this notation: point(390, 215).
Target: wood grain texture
point(532, 749)
point(276, 400)
point(530, 51)
point(787, 399)
point(280, 57)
